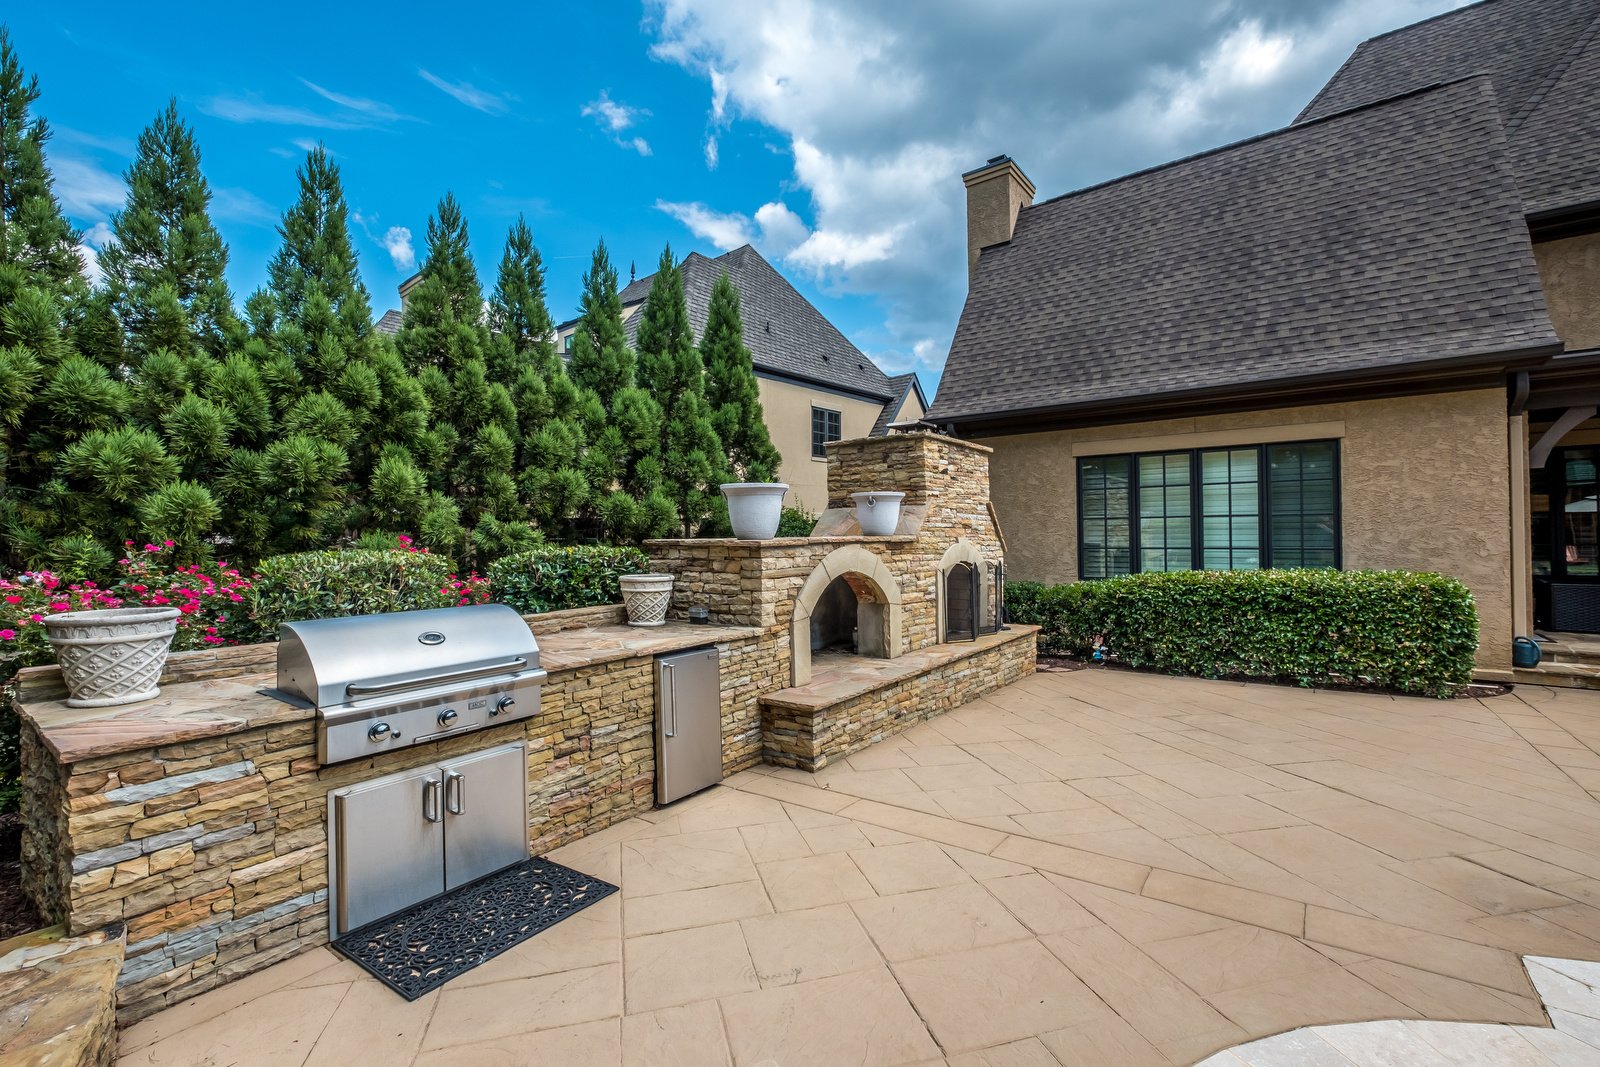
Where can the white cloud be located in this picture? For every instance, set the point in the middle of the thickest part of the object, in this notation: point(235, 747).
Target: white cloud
point(249, 109)
point(781, 229)
point(614, 117)
point(241, 205)
point(94, 239)
point(723, 230)
point(611, 114)
point(377, 109)
point(397, 242)
point(881, 114)
point(85, 189)
point(472, 96)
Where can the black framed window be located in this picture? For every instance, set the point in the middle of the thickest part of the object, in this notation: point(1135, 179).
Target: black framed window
point(826, 425)
point(1166, 523)
point(1230, 509)
point(1302, 484)
point(1239, 508)
point(1103, 509)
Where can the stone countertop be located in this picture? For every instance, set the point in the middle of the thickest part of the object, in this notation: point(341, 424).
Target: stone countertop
point(213, 707)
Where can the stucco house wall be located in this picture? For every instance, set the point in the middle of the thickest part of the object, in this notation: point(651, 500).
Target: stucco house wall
point(1425, 485)
point(787, 408)
point(1569, 270)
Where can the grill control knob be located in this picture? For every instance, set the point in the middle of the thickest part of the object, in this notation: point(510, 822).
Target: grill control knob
point(380, 731)
point(505, 704)
point(447, 716)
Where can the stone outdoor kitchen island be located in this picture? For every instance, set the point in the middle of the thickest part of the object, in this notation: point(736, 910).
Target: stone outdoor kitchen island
point(198, 821)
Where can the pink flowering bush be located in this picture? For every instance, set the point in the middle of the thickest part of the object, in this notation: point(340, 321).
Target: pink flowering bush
point(24, 602)
point(211, 596)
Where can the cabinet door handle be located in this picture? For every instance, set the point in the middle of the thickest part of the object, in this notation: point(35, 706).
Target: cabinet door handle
point(668, 684)
point(430, 800)
point(455, 793)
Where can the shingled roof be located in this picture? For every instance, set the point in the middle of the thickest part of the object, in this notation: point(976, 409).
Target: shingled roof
point(902, 384)
point(785, 333)
point(1379, 239)
point(1544, 59)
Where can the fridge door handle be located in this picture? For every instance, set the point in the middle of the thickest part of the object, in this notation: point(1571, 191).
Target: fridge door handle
point(667, 686)
point(430, 800)
point(455, 793)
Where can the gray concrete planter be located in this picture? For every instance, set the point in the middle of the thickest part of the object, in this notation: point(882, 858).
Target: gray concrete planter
point(755, 508)
point(112, 655)
point(878, 513)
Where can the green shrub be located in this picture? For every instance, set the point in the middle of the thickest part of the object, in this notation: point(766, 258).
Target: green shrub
point(1399, 630)
point(555, 577)
point(796, 522)
point(315, 585)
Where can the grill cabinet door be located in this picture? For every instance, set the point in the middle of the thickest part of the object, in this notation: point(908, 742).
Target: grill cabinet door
point(388, 846)
point(486, 812)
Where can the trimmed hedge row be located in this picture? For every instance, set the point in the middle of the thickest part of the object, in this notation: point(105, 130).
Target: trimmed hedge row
point(361, 581)
point(555, 577)
point(1398, 630)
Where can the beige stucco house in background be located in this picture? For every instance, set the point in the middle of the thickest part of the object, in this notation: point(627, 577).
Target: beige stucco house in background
point(1369, 339)
point(815, 385)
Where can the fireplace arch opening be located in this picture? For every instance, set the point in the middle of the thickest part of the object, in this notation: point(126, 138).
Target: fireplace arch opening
point(850, 601)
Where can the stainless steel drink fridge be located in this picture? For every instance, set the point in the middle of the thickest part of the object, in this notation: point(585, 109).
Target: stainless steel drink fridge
point(688, 723)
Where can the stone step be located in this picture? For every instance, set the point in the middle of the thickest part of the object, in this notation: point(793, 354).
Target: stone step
point(1560, 675)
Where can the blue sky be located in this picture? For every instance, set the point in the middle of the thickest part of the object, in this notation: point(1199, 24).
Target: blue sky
point(831, 133)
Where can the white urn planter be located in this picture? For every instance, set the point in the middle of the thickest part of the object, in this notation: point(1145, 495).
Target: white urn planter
point(878, 513)
point(647, 597)
point(754, 508)
point(113, 655)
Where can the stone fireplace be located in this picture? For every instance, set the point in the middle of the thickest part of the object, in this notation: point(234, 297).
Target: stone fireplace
point(870, 628)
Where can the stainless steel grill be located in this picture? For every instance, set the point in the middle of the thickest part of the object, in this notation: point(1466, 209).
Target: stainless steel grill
point(383, 682)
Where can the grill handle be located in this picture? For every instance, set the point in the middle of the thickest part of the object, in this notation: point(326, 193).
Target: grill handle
point(455, 793)
point(433, 679)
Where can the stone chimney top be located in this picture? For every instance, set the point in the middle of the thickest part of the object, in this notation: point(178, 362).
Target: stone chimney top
point(996, 192)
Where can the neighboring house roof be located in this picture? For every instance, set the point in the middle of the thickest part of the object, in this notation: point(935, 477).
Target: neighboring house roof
point(389, 322)
point(1385, 238)
point(903, 385)
point(1542, 57)
point(785, 333)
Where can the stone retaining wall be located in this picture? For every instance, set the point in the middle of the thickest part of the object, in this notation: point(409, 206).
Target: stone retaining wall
point(58, 999)
point(809, 738)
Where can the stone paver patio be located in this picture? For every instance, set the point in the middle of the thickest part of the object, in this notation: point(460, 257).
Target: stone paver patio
point(1084, 868)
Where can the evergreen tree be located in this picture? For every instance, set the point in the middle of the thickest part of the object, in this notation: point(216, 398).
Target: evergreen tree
point(165, 238)
point(601, 359)
point(671, 372)
point(732, 392)
point(469, 448)
point(622, 464)
point(34, 235)
point(551, 442)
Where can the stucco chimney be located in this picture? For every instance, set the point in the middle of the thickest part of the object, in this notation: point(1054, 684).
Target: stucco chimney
point(996, 191)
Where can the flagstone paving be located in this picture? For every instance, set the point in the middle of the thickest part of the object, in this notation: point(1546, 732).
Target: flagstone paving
point(1088, 868)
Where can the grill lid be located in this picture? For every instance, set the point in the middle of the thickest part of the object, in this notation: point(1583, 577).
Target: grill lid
point(377, 657)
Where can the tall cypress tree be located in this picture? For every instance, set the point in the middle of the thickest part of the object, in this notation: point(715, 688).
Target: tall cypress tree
point(671, 372)
point(622, 463)
point(469, 449)
point(601, 359)
point(732, 392)
point(551, 441)
point(165, 237)
point(34, 235)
